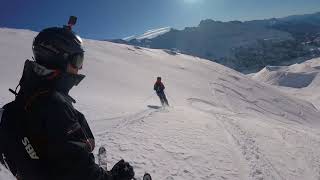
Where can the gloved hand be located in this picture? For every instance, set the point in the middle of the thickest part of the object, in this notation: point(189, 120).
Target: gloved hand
point(122, 171)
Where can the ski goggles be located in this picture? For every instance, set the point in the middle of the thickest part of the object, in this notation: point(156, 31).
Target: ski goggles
point(76, 60)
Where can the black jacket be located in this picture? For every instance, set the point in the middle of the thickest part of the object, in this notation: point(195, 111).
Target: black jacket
point(42, 135)
point(158, 87)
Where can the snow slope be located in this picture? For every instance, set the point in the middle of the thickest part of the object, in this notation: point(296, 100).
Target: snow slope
point(301, 80)
point(5, 174)
point(287, 76)
point(221, 125)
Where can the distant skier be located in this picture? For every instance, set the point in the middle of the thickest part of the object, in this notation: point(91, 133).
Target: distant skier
point(42, 136)
point(159, 88)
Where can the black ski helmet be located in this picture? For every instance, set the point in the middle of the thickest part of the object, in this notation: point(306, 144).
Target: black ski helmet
point(55, 47)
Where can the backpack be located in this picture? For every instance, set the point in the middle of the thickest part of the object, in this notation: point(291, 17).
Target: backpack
point(11, 130)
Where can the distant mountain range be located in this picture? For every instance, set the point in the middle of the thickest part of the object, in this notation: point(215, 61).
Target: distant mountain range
point(150, 34)
point(244, 46)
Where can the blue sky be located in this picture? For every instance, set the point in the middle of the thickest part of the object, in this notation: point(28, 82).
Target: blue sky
point(106, 19)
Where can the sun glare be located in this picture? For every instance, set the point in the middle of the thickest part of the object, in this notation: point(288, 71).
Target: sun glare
point(191, 1)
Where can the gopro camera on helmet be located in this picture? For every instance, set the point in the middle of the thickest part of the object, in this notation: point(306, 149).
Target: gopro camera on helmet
point(72, 21)
point(55, 47)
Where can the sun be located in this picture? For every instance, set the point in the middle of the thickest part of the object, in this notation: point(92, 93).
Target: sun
point(191, 1)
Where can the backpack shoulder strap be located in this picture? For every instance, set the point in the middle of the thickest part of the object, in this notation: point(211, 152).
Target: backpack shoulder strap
point(1, 112)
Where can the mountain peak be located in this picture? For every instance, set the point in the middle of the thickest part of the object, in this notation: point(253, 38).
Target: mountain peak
point(209, 22)
point(149, 34)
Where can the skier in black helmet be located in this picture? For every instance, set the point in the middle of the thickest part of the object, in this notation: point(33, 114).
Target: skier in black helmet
point(159, 88)
point(42, 135)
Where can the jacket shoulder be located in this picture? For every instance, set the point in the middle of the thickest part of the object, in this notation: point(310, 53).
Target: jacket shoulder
point(58, 97)
point(58, 106)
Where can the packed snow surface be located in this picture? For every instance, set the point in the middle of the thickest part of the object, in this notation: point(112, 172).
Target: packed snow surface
point(220, 125)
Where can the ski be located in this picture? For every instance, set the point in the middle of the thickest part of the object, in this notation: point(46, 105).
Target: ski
point(102, 157)
point(147, 176)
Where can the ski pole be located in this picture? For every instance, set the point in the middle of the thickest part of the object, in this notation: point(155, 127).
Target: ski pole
point(171, 98)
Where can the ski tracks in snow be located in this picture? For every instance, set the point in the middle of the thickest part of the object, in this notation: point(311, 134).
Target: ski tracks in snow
point(266, 147)
point(223, 144)
point(127, 120)
point(172, 145)
point(252, 164)
point(260, 166)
